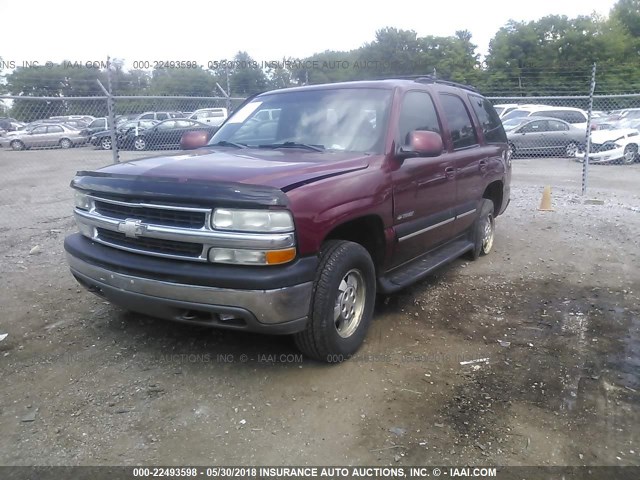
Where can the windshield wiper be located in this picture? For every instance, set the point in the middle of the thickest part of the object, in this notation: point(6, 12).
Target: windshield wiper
point(315, 148)
point(224, 143)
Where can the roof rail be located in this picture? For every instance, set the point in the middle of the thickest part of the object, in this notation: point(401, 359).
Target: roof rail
point(431, 79)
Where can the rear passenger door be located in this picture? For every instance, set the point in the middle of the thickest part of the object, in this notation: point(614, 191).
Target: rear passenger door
point(423, 187)
point(468, 158)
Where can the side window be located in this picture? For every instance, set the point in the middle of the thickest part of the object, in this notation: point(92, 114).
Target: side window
point(167, 125)
point(39, 130)
point(418, 113)
point(533, 127)
point(575, 117)
point(162, 116)
point(460, 125)
point(488, 119)
point(54, 129)
point(556, 126)
point(147, 116)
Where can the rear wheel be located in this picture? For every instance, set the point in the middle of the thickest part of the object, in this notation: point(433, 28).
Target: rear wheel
point(105, 143)
point(17, 145)
point(483, 230)
point(571, 150)
point(139, 143)
point(342, 303)
point(630, 154)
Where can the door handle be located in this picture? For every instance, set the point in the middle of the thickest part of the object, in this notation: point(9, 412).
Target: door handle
point(483, 165)
point(450, 172)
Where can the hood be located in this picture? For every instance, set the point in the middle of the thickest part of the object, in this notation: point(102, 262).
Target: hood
point(282, 168)
point(601, 136)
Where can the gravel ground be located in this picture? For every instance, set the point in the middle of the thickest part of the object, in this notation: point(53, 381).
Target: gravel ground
point(554, 310)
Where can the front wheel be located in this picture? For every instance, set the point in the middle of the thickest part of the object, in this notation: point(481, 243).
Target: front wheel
point(65, 143)
point(17, 145)
point(630, 154)
point(342, 303)
point(483, 230)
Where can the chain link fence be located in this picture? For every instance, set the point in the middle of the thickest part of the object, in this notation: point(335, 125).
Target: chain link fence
point(140, 124)
point(551, 126)
point(557, 127)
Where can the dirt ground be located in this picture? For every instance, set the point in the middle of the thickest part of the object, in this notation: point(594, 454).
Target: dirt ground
point(554, 310)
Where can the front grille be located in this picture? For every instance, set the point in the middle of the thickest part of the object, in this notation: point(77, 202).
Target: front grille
point(150, 245)
point(156, 216)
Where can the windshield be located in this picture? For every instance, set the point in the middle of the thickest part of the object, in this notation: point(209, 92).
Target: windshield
point(345, 119)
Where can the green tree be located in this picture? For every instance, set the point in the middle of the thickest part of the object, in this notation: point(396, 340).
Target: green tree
point(627, 13)
point(241, 77)
point(554, 55)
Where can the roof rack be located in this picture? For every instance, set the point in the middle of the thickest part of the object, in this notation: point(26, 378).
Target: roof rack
point(431, 79)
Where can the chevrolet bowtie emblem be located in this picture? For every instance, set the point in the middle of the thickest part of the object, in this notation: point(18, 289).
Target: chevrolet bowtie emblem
point(132, 228)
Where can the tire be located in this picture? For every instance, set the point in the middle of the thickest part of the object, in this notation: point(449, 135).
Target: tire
point(105, 143)
point(630, 154)
point(342, 303)
point(571, 150)
point(483, 230)
point(65, 143)
point(139, 143)
point(17, 145)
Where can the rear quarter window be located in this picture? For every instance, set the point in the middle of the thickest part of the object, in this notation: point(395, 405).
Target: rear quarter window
point(461, 126)
point(488, 119)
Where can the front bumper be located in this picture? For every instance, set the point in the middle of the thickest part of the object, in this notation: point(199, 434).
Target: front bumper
point(607, 156)
point(282, 308)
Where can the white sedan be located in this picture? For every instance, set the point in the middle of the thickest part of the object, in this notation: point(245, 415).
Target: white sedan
point(609, 146)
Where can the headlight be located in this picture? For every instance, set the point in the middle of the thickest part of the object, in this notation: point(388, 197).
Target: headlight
point(82, 201)
point(269, 221)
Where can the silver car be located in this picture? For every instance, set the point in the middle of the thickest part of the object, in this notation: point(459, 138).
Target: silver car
point(43, 136)
point(543, 136)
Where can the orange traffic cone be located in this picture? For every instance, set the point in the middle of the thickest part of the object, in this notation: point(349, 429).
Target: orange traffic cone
point(545, 203)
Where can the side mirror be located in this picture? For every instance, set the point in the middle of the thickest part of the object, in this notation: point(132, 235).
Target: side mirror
point(194, 139)
point(422, 143)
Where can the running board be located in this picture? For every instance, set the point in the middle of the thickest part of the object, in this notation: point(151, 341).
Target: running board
point(422, 266)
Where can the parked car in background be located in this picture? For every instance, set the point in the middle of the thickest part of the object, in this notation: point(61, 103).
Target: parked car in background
point(103, 139)
point(97, 125)
point(542, 136)
point(166, 134)
point(613, 146)
point(64, 118)
point(574, 116)
point(73, 123)
point(211, 116)
point(43, 136)
point(159, 116)
point(503, 108)
point(9, 124)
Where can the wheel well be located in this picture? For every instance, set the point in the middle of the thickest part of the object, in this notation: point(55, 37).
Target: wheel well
point(493, 192)
point(367, 231)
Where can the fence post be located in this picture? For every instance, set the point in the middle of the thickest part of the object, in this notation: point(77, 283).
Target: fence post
point(587, 148)
point(227, 96)
point(111, 122)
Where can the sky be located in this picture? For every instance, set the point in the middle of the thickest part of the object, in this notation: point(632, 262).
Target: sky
point(206, 30)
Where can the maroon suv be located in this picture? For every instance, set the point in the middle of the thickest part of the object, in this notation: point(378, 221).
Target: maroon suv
point(305, 204)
